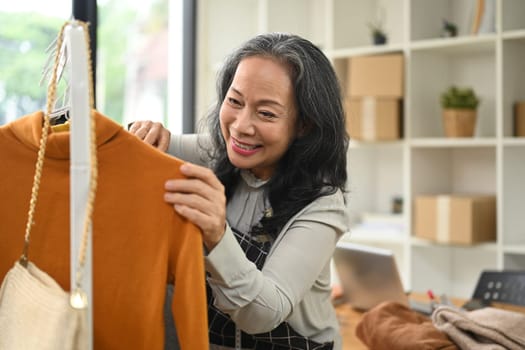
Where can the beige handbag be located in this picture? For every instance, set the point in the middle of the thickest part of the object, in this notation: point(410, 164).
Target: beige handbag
point(35, 312)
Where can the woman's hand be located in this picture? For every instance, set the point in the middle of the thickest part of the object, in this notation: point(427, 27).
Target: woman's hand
point(201, 199)
point(151, 132)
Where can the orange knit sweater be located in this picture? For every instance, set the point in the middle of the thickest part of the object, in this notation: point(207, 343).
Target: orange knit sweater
point(139, 242)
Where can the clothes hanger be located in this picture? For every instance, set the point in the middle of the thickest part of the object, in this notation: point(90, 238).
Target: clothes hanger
point(60, 113)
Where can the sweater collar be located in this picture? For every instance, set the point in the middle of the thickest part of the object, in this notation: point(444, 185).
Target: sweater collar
point(28, 129)
point(251, 180)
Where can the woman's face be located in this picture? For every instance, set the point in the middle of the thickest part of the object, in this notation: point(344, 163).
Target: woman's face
point(258, 115)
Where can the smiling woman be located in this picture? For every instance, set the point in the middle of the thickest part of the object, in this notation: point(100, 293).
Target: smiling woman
point(266, 188)
point(258, 116)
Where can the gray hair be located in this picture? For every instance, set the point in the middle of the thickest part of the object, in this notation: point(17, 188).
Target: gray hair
point(316, 159)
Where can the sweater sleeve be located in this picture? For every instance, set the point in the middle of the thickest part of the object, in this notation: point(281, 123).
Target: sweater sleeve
point(190, 147)
point(189, 306)
point(293, 267)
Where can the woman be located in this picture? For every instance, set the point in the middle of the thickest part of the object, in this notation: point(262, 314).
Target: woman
point(270, 205)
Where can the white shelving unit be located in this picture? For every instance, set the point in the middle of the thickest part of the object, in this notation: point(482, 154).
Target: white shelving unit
point(424, 161)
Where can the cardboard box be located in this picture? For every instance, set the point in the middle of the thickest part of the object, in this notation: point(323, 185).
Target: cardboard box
point(519, 119)
point(455, 219)
point(377, 75)
point(373, 118)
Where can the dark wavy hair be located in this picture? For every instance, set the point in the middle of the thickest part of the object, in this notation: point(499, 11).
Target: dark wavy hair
point(315, 162)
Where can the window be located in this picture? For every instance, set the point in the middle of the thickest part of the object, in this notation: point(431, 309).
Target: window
point(133, 76)
point(28, 28)
point(132, 68)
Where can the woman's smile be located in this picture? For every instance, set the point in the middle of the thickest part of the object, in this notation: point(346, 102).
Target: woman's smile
point(242, 148)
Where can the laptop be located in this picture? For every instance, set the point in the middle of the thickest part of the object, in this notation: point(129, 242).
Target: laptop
point(368, 275)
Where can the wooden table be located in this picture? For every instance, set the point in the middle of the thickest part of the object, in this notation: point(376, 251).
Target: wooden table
point(348, 320)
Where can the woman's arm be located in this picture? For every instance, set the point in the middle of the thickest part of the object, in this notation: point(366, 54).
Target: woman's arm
point(190, 147)
point(187, 147)
point(258, 301)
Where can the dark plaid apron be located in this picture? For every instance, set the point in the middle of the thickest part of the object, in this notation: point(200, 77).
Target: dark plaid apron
point(222, 330)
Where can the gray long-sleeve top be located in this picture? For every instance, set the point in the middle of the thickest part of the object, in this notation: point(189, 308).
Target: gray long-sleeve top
point(294, 284)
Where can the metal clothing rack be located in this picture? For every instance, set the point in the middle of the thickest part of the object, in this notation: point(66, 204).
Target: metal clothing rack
point(80, 161)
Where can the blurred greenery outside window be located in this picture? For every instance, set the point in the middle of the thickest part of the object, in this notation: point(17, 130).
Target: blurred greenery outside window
point(131, 58)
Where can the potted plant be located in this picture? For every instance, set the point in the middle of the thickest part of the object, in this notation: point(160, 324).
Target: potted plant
point(378, 34)
point(459, 111)
point(449, 29)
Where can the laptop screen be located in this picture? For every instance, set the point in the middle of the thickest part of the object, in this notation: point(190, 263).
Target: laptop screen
point(368, 275)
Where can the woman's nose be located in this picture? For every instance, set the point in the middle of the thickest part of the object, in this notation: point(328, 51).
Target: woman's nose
point(243, 121)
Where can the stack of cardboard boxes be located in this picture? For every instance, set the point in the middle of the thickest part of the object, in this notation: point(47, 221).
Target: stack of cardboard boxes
point(374, 97)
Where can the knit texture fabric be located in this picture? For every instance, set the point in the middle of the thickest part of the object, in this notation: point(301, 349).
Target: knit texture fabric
point(483, 329)
point(139, 242)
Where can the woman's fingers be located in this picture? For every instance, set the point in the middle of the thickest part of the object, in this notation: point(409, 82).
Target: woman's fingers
point(200, 198)
point(141, 128)
point(191, 214)
point(193, 200)
point(158, 136)
point(202, 173)
point(152, 133)
point(196, 194)
point(195, 186)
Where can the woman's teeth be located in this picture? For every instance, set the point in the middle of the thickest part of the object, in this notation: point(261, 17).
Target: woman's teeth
point(243, 146)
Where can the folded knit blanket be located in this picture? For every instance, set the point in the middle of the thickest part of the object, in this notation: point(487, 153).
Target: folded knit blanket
point(393, 326)
point(483, 329)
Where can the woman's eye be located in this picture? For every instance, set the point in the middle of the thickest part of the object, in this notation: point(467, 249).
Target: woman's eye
point(267, 114)
point(233, 101)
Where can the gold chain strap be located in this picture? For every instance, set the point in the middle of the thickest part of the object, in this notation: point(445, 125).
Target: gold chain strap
point(41, 152)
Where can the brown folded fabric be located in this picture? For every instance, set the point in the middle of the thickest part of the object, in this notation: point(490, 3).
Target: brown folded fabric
point(483, 329)
point(392, 326)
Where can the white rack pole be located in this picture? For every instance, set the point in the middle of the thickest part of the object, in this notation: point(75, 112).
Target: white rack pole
point(80, 169)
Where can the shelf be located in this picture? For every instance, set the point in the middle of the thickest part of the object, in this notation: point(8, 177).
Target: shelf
point(452, 143)
point(353, 144)
point(514, 249)
point(514, 141)
point(420, 242)
point(460, 45)
point(366, 50)
point(425, 161)
point(357, 235)
point(456, 46)
point(513, 34)
point(423, 243)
